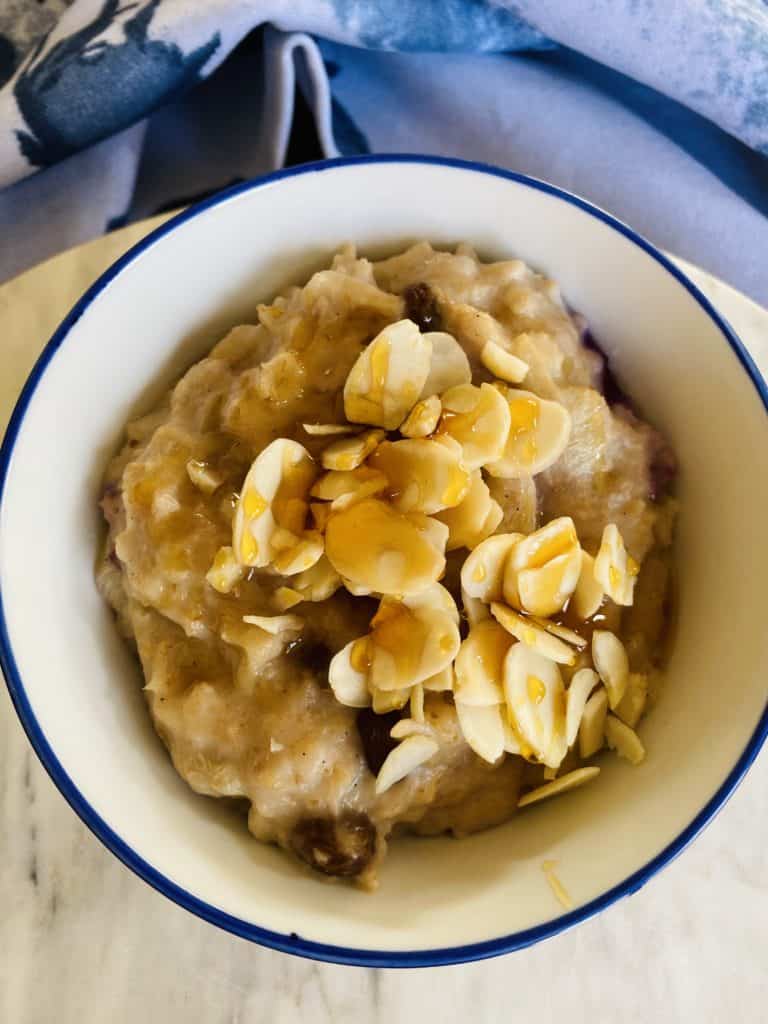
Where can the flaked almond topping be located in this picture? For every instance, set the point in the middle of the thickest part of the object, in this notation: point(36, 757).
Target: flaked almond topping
point(387, 379)
point(203, 476)
point(483, 729)
point(615, 570)
point(225, 572)
point(441, 681)
point(350, 452)
point(592, 725)
point(448, 367)
point(328, 429)
point(536, 551)
point(409, 645)
point(273, 501)
point(276, 624)
point(475, 610)
point(632, 704)
point(503, 364)
point(417, 703)
point(535, 699)
point(546, 591)
point(285, 598)
point(423, 476)
point(319, 512)
point(571, 780)
point(475, 517)
point(588, 595)
point(482, 574)
point(610, 660)
point(532, 635)
point(384, 701)
point(538, 434)
point(305, 553)
point(348, 679)
point(479, 419)
point(318, 582)
point(385, 551)
point(479, 665)
point(408, 727)
point(423, 418)
point(581, 686)
point(623, 740)
point(413, 751)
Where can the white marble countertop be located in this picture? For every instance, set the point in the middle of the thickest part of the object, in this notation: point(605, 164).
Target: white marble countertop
point(84, 941)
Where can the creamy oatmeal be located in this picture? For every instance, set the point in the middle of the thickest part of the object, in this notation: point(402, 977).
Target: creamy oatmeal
point(394, 558)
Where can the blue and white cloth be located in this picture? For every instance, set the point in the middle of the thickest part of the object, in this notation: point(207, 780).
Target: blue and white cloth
point(112, 110)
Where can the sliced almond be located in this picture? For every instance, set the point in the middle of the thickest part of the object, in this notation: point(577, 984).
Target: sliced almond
point(225, 572)
point(348, 679)
point(285, 598)
point(535, 551)
point(503, 364)
point(592, 725)
point(581, 686)
point(558, 537)
point(328, 429)
point(479, 419)
point(317, 583)
point(385, 551)
point(203, 476)
point(408, 755)
point(276, 624)
point(570, 636)
point(410, 645)
point(387, 379)
point(408, 727)
point(572, 780)
point(612, 664)
point(482, 574)
point(483, 729)
point(320, 513)
point(417, 703)
point(588, 595)
point(615, 570)
point(423, 476)
point(475, 610)
point(423, 418)
point(440, 682)
point(630, 708)
point(538, 434)
point(384, 701)
point(535, 697)
point(623, 740)
point(479, 665)
point(302, 556)
point(351, 452)
point(546, 591)
point(436, 596)
point(339, 483)
point(513, 744)
point(449, 366)
point(532, 636)
point(475, 517)
point(274, 497)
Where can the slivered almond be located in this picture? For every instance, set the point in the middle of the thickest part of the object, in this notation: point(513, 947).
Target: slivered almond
point(410, 754)
point(571, 780)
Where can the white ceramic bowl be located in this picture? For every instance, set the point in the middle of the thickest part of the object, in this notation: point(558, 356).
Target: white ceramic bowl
point(76, 687)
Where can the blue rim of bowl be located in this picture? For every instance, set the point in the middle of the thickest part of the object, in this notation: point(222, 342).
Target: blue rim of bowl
point(293, 943)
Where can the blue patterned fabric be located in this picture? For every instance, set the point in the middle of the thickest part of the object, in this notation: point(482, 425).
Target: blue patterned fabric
point(656, 109)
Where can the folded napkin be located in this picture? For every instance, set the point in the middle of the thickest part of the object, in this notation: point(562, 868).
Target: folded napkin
point(115, 109)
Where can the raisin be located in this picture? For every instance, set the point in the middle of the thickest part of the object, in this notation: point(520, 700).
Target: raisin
point(374, 735)
point(342, 846)
point(421, 307)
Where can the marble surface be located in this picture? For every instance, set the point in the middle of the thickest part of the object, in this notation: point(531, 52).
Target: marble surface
point(83, 940)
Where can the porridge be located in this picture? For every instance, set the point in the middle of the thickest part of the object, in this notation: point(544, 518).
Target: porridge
point(394, 558)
